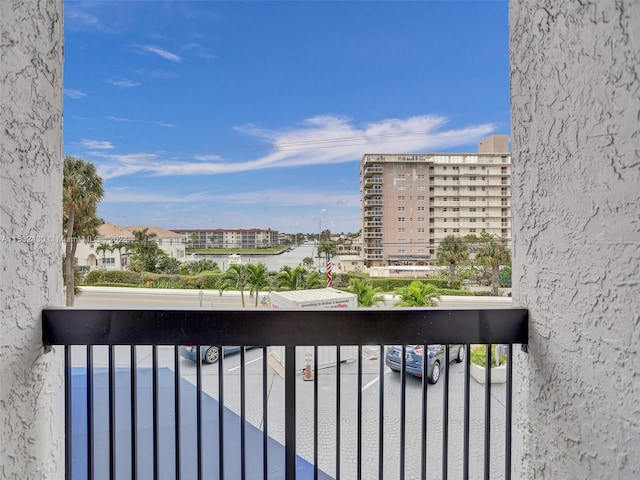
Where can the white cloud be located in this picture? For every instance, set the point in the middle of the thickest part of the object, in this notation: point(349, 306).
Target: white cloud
point(96, 144)
point(199, 51)
point(161, 52)
point(208, 158)
point(75, 94)
point(124, 83)
point(320, 140)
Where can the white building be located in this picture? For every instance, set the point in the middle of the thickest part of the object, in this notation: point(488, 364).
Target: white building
point(89, 254)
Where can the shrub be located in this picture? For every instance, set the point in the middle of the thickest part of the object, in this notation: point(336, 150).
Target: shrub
point(479, 356)
point(112, 276)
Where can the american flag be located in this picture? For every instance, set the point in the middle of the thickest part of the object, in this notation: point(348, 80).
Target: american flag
point(329, 279)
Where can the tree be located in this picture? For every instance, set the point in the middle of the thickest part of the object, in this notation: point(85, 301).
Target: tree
point(104, 247)
point(367, 294)
point(235, 277)
point(167, 264)
point(258, 278)
point(146, 251)
point(417, 294)
point(291, 278)
point(81, 192)
point(119, 246)
point(326, 249)
point(493, 252)
point(307, 261)
point(452, 251)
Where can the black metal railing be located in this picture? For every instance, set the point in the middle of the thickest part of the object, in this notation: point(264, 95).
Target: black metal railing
point(152, 330)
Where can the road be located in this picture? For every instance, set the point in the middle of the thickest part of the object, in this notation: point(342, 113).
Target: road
point(327, 381)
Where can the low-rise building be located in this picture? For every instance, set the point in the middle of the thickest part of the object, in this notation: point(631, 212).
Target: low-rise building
point(230, 238)
point(91, 254)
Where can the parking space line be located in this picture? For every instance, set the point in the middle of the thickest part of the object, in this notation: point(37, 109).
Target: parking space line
point(374, 381)
point(246, 363)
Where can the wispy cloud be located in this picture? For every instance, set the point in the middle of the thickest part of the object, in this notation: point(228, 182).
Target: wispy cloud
point(167, 55)
point(272, 197)
point(209, 158)
point(124, 83)
point(96, 144)
point(198, 50)
point(165, 124)
point(75, 94)
point(118, 119)
point(320, 140)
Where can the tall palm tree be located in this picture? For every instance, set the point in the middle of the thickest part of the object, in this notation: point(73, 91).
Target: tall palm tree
point(81, 191)
point(119, 246)
point(493, 252)
point(235, 277)
point(258, 278)
point(104, 247)
point(145, 248)
point(452, 252)
point(417, 294)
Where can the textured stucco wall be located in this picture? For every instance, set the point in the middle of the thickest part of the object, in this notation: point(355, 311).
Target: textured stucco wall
point(31, 400)
point(575, 99)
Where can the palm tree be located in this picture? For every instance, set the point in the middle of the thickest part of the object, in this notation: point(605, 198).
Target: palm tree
point(312, 280)
point(145, 248)
point(452, 251)
point(417, 294)
point(81, 191)
point(235, 277)
point(119, 246)
point(493, 252)
point(366, 293)
point(104, 247)
point(291, 278)
point(258, 278)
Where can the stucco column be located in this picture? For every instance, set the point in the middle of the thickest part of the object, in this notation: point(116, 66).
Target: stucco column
point(31, 386)
point(575, 110)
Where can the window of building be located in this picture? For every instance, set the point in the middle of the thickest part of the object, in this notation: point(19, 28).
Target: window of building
point(455, 179)
point(401, 219)
point(444, 189)
point(401, 240)
point(421, 208)
point(456, 230)
point(401, 250)
point(420, 176)
point(472, 209)
point(456, 168)
point(472, 220)
point(472, 199)
point(400, 176)
point(401, 209)
point(456, 209)
point(473, 179)
point(472, 168)
point(421, 230)
point(401, 230)
point(472, 230)
point(401, 197)
point(421, 219)
point(456, 220)
point(420, 198)
point(401, 187)
point(456, 199)
point(421, 187)
point(444, 230)
point(472, 189)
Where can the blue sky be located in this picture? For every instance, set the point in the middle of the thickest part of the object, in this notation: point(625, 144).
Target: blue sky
point(204, 114)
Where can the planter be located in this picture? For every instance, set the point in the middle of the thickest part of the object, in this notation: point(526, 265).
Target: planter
point(498, 374)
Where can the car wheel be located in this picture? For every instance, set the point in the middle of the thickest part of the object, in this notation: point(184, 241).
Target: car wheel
point(460, 357)
point(435, 373)
point(211, 355)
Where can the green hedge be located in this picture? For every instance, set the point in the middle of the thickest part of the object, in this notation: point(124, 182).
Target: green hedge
point(112, 276)
point(388, 284)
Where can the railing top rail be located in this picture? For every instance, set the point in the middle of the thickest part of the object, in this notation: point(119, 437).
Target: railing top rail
point(363, 326)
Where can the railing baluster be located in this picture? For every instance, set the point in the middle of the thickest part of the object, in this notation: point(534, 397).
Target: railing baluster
point(290, 411)
point(220, 410)
point(359, 413)
point(315, 412)
point(381, 414)
point(68, 450)
point(134, 412)
point(338, 412)
point(445, 416)
point(90, 448)
point(487, 415)
point(403, 407)
point(467, 410)
point(154, 409)
point(265, 409)
point(112, 415)
point(243, 419)
point(178, 421)
point(199, 410)
point(508, 413)
point(423, 436)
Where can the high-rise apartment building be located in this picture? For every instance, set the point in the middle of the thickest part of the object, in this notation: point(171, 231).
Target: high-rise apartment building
point(411, 201)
